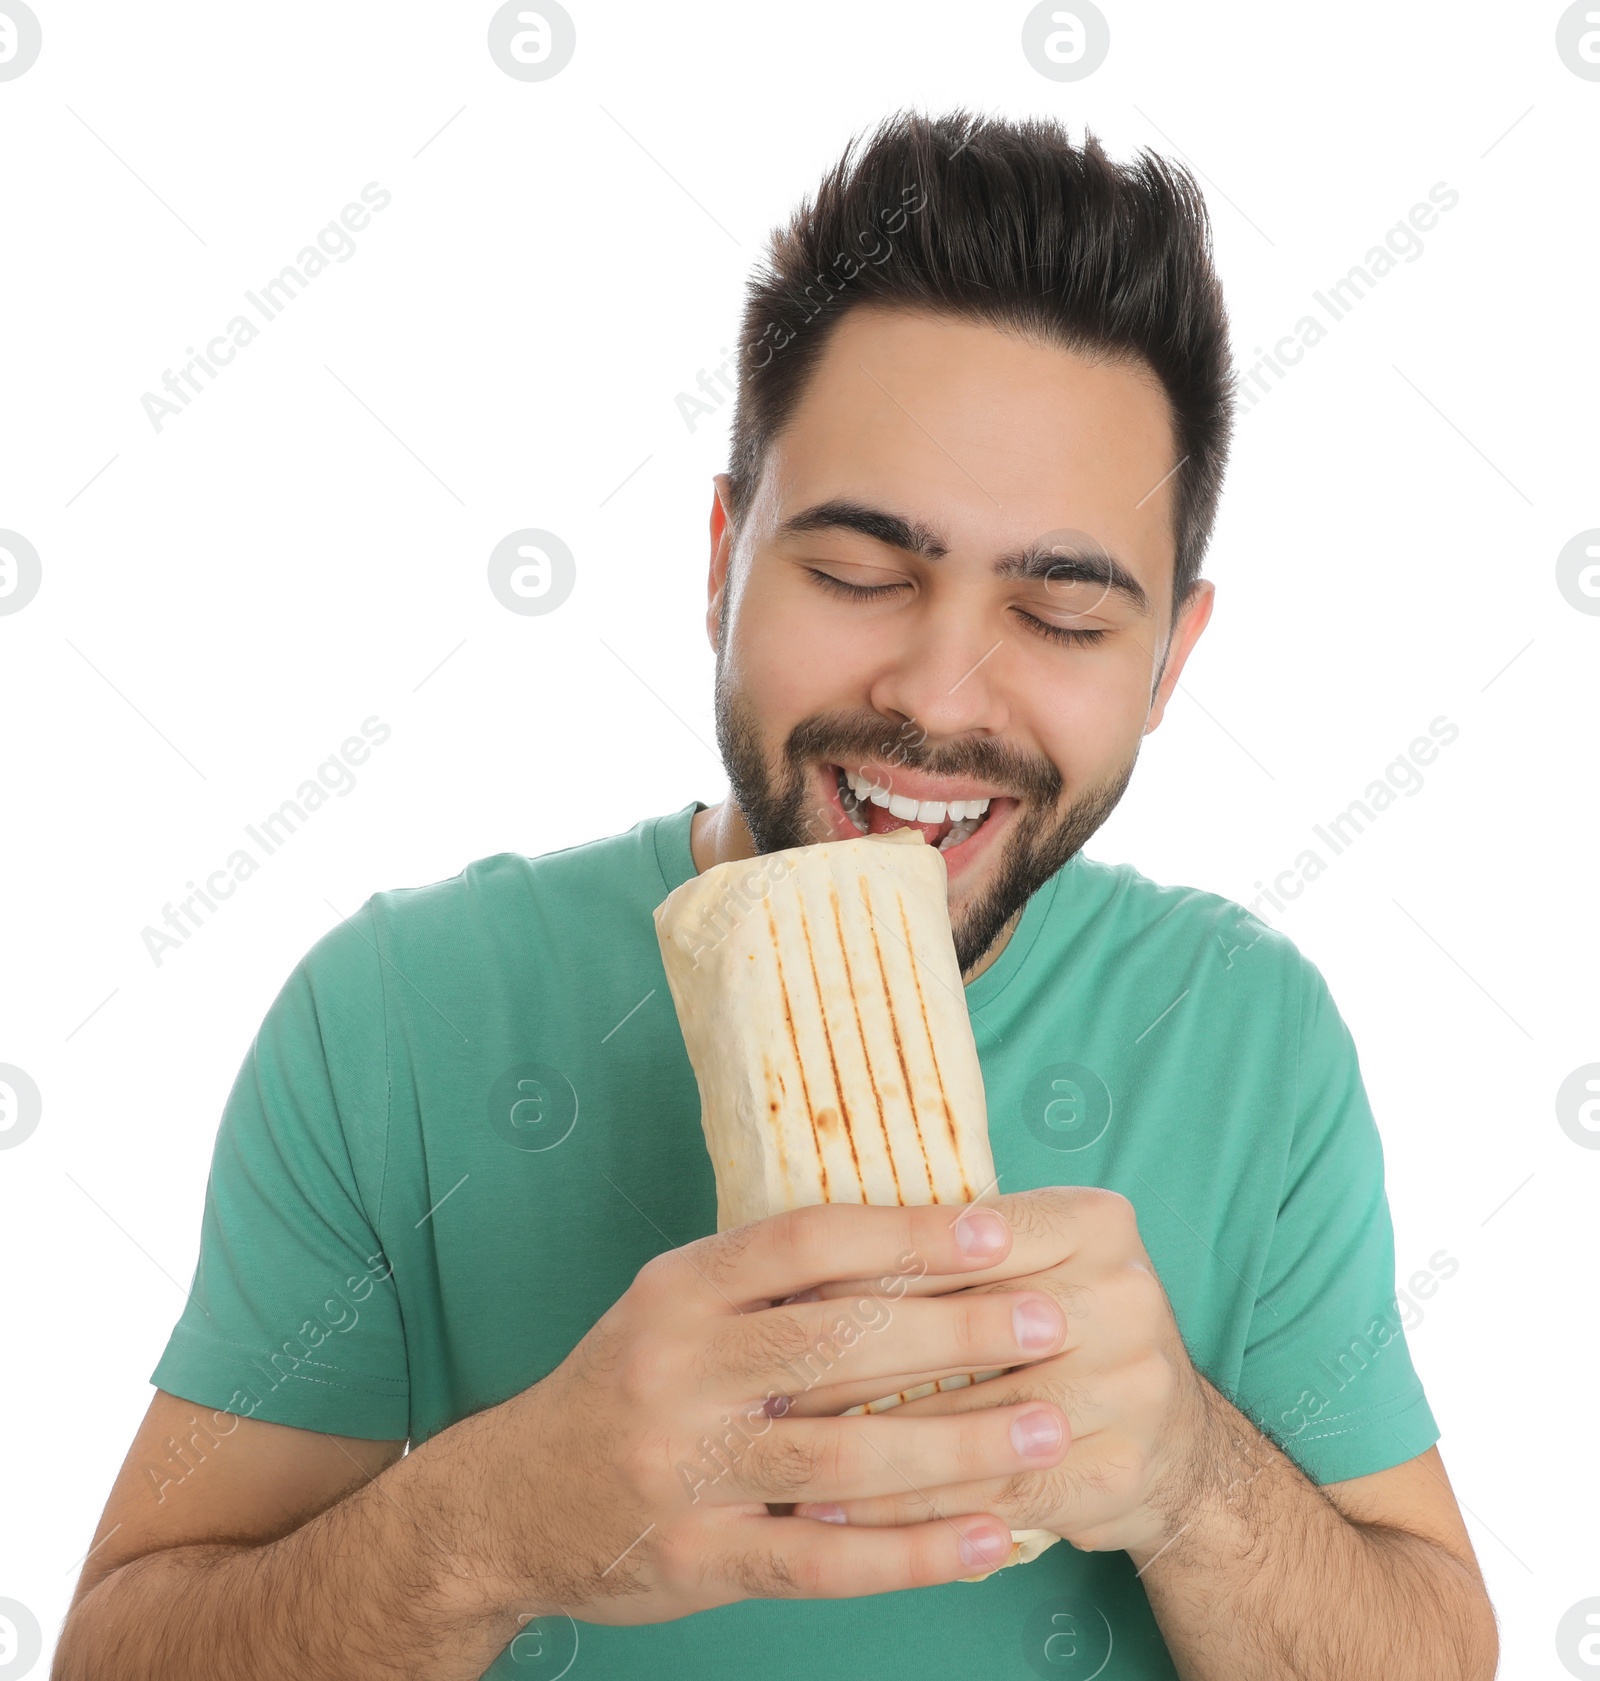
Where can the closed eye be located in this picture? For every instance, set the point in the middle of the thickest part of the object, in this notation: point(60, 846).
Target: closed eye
point(857, 592)
point(867, 592)
point(1064, 633)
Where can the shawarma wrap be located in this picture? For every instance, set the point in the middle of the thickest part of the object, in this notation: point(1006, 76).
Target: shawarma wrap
point(823, 1011)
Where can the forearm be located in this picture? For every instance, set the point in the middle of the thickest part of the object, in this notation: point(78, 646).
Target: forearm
point(1266, 1580)
point(389, 1582)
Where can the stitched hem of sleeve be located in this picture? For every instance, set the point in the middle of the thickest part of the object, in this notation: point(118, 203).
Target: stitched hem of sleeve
point(1358, 1444)
point(388, 1071)
point(388, 1133)
point(315, 1397)
point(192, 1349)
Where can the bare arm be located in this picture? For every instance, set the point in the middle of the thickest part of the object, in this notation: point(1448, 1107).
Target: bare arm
point(631, 1485)
point(1274, 1579)
point(330, 1554)
point(1254, 1572)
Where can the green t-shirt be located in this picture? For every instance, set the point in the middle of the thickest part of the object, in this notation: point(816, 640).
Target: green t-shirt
point(468, 1119)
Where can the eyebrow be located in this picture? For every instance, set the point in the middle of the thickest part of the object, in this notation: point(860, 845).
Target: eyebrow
point(1091, 565)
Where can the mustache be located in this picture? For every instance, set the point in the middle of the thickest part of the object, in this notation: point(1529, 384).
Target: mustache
point(854, 739)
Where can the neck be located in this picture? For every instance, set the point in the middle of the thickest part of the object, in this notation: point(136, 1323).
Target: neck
point(719, 835)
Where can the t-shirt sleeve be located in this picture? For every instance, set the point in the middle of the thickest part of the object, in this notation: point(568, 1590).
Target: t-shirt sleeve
point(293, 1316)
point(1326, 1370)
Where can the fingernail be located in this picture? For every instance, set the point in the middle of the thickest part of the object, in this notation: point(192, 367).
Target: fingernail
point(1036, 1321)
point(985, 1546)
point(825, 1510)
point(1036, 1434)
point(980, 1231)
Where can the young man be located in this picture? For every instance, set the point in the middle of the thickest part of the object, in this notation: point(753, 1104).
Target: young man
point(460, 1197)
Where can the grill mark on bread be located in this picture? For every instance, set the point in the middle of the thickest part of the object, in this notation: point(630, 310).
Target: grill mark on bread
point(866, 1055)
point(794, 1041)
point(927, 1027)
point(775, 1110)
point(899, 1046)
point(833, 1061)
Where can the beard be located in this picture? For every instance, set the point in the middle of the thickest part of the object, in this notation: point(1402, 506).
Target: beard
point(776, 811)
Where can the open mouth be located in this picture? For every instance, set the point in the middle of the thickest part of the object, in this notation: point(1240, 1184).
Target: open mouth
point(873, 809)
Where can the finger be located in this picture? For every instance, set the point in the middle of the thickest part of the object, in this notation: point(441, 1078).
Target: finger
point(911, 1506)
point(1041, 1498)
point(804, 1247)
point(790, 1558)
point(790, 1350)
point(842, 1459)
point(1049, 1227)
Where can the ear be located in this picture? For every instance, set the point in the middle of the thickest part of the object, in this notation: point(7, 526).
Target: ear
point(721, 553)
point(1193, 618)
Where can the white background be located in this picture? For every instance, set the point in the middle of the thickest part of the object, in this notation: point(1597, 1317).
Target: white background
point(305, 546)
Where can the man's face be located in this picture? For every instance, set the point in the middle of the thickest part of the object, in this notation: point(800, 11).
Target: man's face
point(924, 451)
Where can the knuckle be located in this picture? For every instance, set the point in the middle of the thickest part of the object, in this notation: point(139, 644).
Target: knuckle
point(1076, 1301)
point(1059, 1200)
point(1035, 1214)
point(1142, 1284)
point(976, 1449)
point(660, 1273)
point(646, 1369)
point(718, 1256)
point(756, 1345)
point(806, 1242)
point(1114, 1210)
point(764, 1575)
point(982, 1322)
point(919, 1563)
point(1036, 1497)
point(601, 1350)
point(676, 1555)
point(645, 1464)
point(784, 1468)
point(1025, 1493)
point(810, 1575)
point(1157, 1378)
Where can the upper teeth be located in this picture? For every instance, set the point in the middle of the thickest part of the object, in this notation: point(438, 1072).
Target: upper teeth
point(919, 811)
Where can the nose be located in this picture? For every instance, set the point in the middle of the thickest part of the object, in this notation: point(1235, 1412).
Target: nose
point(947, 670)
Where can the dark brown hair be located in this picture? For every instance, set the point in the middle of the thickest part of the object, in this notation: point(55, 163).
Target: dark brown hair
point(1011, 224)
